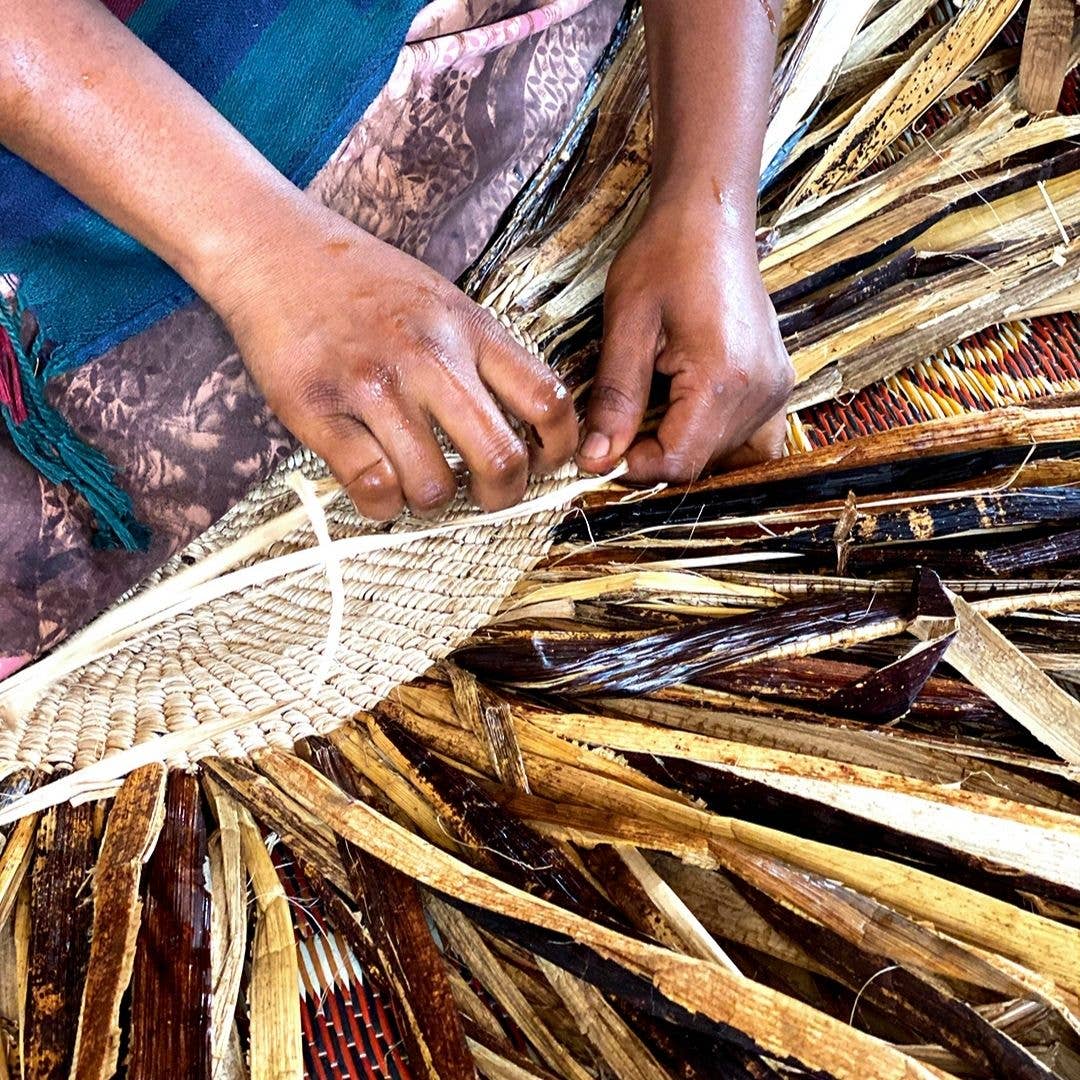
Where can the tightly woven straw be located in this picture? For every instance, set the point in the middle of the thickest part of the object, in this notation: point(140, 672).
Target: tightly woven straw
point(406, 607)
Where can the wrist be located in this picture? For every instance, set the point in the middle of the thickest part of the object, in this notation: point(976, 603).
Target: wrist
point(231, 256)
point(706, 209)
point(715, 191)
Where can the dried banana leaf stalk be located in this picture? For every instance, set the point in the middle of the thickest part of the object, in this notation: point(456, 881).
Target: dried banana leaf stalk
point(772, 776)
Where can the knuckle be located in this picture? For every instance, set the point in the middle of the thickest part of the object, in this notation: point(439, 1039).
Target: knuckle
point(375, 483)
point(677, 470)
point(703, 398)
point(683, 462)
point(432, 494)
point(624, 285)
point(609, 397)
point(552, 400)
point(506, 459)
point(775, 448)
point(683, 469)
point(320, 395)
point(623, 297)
point(379, 382)
point(434, 350)
point(479, 323)
point(376, 493)
point(739, 374)
point(375, 476)
point(417, 301)
point(784, 379)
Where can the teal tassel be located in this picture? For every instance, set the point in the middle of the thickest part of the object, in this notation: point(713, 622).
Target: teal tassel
point(48, 442)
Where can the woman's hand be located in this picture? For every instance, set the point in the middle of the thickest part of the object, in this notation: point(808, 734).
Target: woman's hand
point(362, 351)
point(685, 299)
point(359, 349)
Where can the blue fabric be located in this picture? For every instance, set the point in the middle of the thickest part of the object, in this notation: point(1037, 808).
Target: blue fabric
point(291, 75)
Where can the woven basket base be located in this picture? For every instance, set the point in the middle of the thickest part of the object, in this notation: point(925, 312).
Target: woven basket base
point(406, 608)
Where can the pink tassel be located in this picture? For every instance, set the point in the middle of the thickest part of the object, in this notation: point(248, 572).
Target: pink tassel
point(10, 380)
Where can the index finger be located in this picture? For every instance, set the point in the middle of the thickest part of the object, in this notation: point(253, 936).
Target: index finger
point(532, 392)
point(698, 427)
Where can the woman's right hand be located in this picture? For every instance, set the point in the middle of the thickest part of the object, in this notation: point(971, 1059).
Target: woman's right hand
point(362, 351)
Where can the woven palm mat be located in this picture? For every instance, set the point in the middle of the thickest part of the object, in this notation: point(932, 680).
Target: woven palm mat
point(1016, 363)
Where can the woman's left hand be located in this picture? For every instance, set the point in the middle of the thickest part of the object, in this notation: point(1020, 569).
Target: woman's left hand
point(685, 299)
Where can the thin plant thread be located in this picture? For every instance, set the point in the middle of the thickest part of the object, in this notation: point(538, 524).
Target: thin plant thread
point(332, 566)
point(863, 988)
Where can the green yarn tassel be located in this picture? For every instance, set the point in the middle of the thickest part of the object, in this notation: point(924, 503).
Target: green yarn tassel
point(48, 442)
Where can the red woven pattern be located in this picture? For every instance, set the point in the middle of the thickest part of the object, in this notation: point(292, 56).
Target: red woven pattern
point(348, 1030)
point(1070, 94)
point(1004, 365)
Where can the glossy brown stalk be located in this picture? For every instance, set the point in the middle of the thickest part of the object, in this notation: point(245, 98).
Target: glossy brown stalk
point(61, 914)
point(583, 662)
point(810, 681)
point(170, 1000)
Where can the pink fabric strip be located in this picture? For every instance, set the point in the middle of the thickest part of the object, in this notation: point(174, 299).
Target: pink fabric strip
point(425, 54)
point(10, 664)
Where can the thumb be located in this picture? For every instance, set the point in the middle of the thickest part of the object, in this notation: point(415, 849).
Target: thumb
point(766, 444)
point(620, 390)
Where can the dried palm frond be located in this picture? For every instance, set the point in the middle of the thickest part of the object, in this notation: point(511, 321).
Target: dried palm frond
point(773, 775)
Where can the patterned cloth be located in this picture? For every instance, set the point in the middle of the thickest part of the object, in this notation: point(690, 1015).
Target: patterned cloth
point(474, 103)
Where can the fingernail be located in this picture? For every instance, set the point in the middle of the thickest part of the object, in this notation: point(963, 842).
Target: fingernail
point(596, 445)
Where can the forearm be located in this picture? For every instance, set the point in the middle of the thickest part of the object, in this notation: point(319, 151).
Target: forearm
point(710, 70)
point(359, 349)
point(83, 100)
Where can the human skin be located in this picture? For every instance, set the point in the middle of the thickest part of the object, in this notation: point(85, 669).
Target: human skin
point(684, 297)
point(362, 351)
